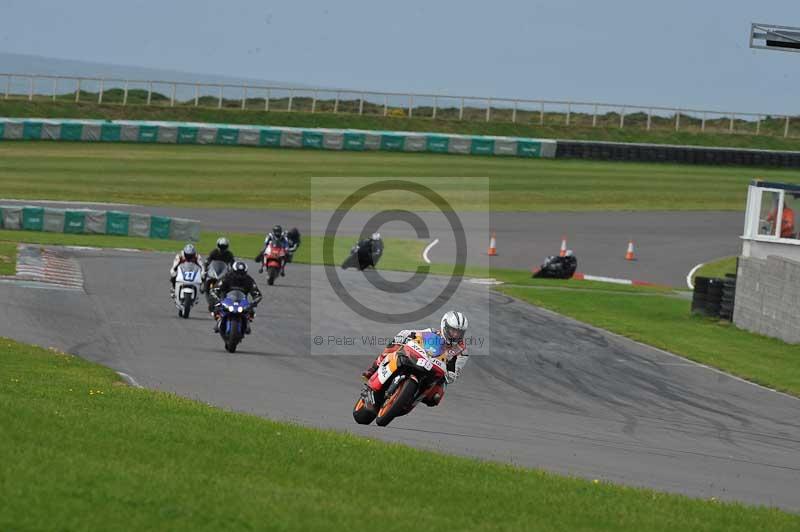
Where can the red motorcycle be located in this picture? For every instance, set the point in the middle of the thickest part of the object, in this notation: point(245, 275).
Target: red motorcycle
point(273, 261)
point(406, 376)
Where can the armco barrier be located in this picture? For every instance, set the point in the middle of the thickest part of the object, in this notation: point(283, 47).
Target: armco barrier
point(266, 136)
point(88, 221)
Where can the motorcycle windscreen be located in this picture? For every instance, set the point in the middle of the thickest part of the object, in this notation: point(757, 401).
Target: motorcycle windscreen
point(217, 268)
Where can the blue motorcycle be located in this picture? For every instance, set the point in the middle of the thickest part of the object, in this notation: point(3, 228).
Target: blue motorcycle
point(234, 311)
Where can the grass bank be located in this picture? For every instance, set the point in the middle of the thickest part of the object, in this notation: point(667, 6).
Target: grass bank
point(717, 268)
point(663, 131)
point(82, 451)
point(667, 323)
point(241, 177)
point(8, 258)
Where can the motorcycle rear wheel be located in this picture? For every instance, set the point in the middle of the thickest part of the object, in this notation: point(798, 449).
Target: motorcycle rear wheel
point(397, 403)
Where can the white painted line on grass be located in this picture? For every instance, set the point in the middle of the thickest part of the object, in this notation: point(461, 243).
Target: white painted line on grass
point(427, 249)
point(130, 380)
point(689, 282)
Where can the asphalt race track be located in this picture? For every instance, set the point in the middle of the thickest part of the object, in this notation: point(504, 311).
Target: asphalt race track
point(553, 393)
point(668, 244)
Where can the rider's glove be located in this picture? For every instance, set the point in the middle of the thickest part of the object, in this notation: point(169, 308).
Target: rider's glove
point(451, 377)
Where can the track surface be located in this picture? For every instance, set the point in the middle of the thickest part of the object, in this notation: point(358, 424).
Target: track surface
point(668, 244)
point(553, 393)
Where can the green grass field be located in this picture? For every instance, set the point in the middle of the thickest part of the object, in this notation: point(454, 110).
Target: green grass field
point(214, 176)
point(8, 258)
point(82, 451)
point(667, 323)
point(663, 129)
point(717, 268)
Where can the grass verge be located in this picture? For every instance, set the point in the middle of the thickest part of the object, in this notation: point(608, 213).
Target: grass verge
point(717, 268)
point(8, 258)
point(82, 451)
point(668, 324)
point(662, 132)
point(281, 179)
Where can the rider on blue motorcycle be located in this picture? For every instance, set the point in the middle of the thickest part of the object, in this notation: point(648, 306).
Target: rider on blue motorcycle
point(238, 279)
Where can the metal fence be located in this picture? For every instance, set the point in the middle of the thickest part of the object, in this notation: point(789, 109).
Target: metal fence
point(552, 113)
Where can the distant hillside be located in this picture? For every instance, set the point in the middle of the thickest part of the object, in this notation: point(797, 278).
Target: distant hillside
point(34, 64)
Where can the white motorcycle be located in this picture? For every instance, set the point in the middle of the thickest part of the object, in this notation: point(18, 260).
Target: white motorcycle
point(188, 281)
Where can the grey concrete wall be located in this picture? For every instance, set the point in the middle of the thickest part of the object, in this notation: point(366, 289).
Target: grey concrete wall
point(768, 297)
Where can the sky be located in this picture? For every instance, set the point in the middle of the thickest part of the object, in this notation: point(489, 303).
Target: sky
point(678, 53)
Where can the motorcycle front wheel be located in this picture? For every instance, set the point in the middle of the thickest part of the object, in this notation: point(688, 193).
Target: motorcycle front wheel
point(397, 403)
point(272, 273)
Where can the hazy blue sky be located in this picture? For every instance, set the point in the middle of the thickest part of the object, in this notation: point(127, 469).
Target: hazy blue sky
point(677, 52)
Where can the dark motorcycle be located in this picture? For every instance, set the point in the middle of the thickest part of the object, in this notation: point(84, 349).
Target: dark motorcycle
point(216, 270)
point(366, 253)
point(235, 312)
point(557, 268)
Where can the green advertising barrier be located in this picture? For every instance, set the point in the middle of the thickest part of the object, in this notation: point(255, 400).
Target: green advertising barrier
point(312, 139)
point(32, 130)
point(437, 144)
point(148, 133)
point(227, 135)
point(71, 131)
point(110, 132)
point(187, 135)
point(159, 227)
point(529, 148)
point(117, 223)
point(270, 137)
point(74, 222)
point(392, 142)
point(353, 142)
point(32, 218)
point(482, 146)
point(286, 137)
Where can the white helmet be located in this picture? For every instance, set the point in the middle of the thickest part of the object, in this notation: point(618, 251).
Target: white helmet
point(569, 253)
point(376, 236)
point(454, 326)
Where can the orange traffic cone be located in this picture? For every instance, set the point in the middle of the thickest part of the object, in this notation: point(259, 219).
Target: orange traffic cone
point(492, 246)
point(629, 254)
point(563, 252)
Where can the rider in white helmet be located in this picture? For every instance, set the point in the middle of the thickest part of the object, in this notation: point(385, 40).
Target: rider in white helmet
point(188, 254)
point(452, 330)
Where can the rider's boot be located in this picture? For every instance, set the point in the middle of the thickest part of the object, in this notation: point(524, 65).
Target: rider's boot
point(261, 269)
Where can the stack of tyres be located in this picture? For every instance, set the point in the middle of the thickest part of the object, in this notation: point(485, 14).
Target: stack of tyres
point(700, 295)
point(728, 296)
point(714, 297)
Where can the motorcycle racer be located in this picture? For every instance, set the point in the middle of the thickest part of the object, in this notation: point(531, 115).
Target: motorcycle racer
point(188, 254)
point(221, 252)
point(238, 279)
point(446, 343)
point(276, 237)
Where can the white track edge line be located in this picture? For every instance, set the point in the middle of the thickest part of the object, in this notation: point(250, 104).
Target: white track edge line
point(427, 249)
point(130, 380)
point(689, 282)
